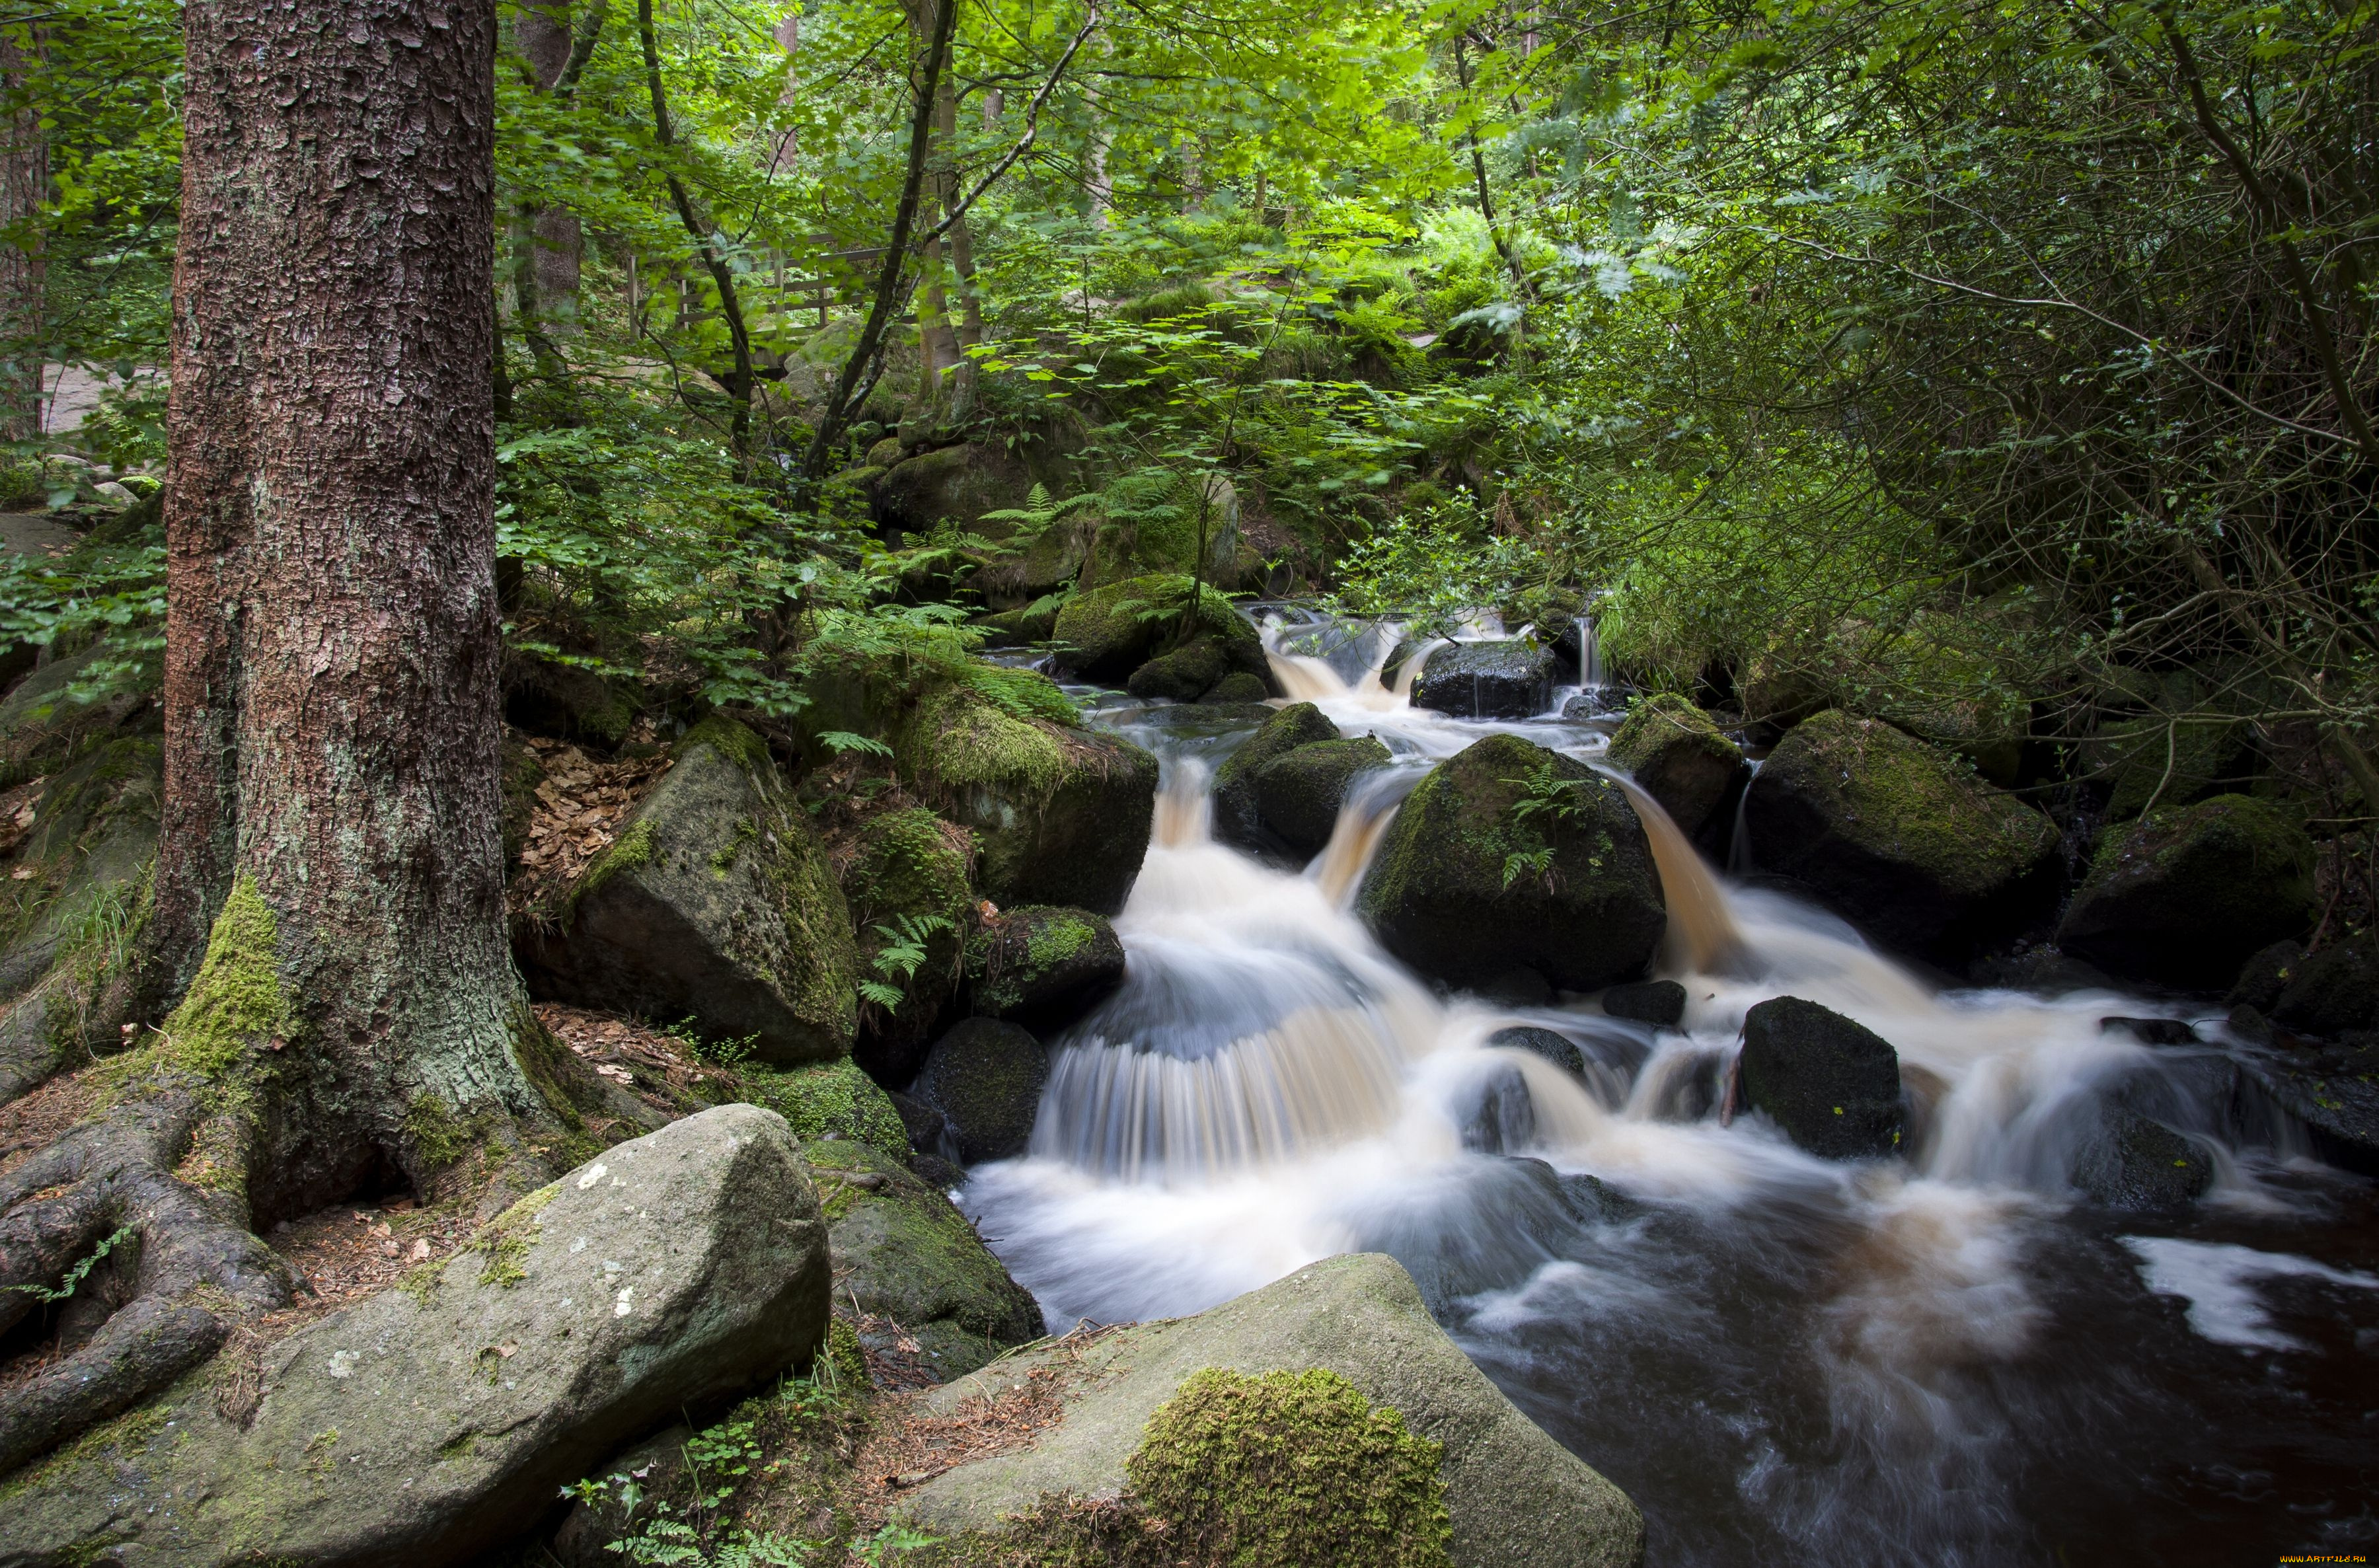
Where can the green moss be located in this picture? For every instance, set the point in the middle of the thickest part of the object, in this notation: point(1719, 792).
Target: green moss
point(121, 1435)
point(438, 1135)
point(959, 739)
point(831, 1097)
point(504, 1242)
point(1656, 722)
point(235, 1004)
point(739, 744)
point(629, 849)
point(1237, 1471)
point(723, 859)
point(1912, 802)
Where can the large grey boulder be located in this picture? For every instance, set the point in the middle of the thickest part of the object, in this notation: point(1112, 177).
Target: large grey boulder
point(1471, 883)
point(439, 1417)
point(1516, 1498)
point(1900, 837)
point(902, 1252)
point(714, 902)
point(1511, 679)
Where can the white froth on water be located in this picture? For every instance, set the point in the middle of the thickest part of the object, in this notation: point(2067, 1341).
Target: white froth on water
point(2215, 1279)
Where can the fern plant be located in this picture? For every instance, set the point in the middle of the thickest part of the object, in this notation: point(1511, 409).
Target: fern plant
point(902, 956)
point(1033, 518)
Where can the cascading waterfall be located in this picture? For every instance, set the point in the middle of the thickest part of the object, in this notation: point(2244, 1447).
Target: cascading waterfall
point(1783, 1360)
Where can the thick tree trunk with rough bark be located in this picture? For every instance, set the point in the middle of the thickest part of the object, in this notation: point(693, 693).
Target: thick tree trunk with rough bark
point(329, 891)
point(24, 186)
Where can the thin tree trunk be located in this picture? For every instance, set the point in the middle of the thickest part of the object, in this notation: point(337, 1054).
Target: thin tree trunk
point(24, 189)
point(555, 241)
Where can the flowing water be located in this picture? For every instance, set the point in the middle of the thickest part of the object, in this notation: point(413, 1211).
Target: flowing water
point(1945, 1360)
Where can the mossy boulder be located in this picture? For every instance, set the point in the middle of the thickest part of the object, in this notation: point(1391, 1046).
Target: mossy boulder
point(1034, 622)
point(951, 484)
point(1299, 792)
point(69, 908)
point(714, 902)
point(1237, 687)
point(2139, 1165)
point(985, 1078)
point(1109, 632)
point(2334, 991)
point(568, 700)
point(1238, 819)
point(438, 1418)
point(1151, 1435)
point(2185, 895)
point(1675, 753)
point(1511, 678)
point(906, 883)
point(1061, 816)
point(72, 704)
point(1183, 675)
point(1899, 837)
point(1042, 966)
point(904, 1252)
point(1467, 884)
point(1829, 1082)
point(828, 1099)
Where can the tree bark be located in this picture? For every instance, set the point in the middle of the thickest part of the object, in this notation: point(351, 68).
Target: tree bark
point(24, 188)
point(550, 243)
point(332, 638)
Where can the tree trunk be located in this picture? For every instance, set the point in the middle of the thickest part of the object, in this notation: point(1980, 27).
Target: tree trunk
point(24, 188)
point(329, 885)
point(557, 244)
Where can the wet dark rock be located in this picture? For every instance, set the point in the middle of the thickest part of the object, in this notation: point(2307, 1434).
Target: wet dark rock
point(1831, 1083)
point(1184, 675)
point(936, 1173)
point(2043, 970)
point(1465, 887)
point(1239, 686)
point(1558, 1049)
point(902, 1251)
point(2186, 895)
point(2139, 1165)
point(2151, 1031)
point(2334, 1091)
point(567, 700)
point(1044, 966)
point(1239, 818)
point(1657, 1002)
point(1299, 792)
point(2334, 991)
point(922, 1124)
point(1672, 749)
point(985, 1076)
point(1510, 678)
point(1499, 1118)
point(715, 902)
point(1518, 986)
point(2265, 975)
point(1899, 837)
point(1596, 1200)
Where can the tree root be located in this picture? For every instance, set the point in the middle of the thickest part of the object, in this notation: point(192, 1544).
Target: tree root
point(195, 1270)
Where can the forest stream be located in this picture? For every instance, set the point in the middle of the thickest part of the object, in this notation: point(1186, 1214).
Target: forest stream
point(1941, 1359)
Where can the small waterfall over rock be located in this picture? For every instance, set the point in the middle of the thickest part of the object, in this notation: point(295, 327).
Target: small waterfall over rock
point(1782, 1359)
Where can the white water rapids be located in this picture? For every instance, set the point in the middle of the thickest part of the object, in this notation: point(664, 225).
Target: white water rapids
point(1782, 1358)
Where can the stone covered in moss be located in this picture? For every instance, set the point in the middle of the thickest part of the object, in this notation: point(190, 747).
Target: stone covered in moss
point(1512, 678)
point(1299, 792)
point(1184, 674)
point(1034, 622)
point(828, 1099)
point(1239, 686)
point(1899, 837)
point(907, 887)
point(70, 906)
point(1675, 752)
point(676, 1271)
point(1111, 632)
point(1061, 816)
point(1467, 884)
point(42, 727)
point(715, 902)
point(1513, 1497)
point(2185, 895)
point(1238, 818)
point(985, 1078)
point(1830, 1082)
point(951, 484)
point(1041, 965)
point(2335, 991)
point(2139, 1165)
point(902, 1251)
